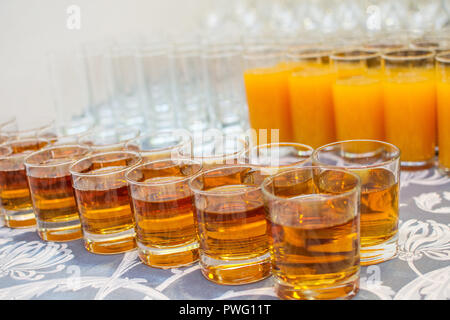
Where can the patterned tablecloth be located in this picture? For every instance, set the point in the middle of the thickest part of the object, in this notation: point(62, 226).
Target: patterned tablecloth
point(33, 269)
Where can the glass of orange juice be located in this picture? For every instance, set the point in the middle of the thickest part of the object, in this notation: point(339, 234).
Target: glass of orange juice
point(358, 94)
point(310, 95)
point(266, 87)
point(443, 110)
point(410, 105)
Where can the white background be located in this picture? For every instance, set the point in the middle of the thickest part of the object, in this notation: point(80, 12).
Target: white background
point(29, 29)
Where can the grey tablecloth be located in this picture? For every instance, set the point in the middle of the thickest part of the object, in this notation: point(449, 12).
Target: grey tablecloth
point(33, 269)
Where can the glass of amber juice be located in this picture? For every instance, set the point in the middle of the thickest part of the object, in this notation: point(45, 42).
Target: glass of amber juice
point(103, 201)
point(410, 105)
point(378, 166)
point(443, 110)
point(162, 204)
point(15, 199)
point(52, 193)
point(231, 225)
point(313, 224)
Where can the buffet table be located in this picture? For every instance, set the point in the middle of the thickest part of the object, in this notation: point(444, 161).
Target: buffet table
point(33, 269)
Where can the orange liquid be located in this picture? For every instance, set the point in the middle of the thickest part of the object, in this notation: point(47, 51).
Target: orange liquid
point(358, 107)
point(410, 115)
point(443, 116)
point(268, 101)
point(311, 104)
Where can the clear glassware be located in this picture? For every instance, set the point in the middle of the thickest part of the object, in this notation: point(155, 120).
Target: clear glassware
point(73, 112)
point(226, 92)
point(158, 85)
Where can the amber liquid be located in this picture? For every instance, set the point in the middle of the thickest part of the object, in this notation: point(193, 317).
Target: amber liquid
point(55, 208)
point(14, 192)
point(379, 208)
point(105, 213)
point(15, 196)
point(233, 231)
point(378, 213)
point(167, 223)
point(315, 248)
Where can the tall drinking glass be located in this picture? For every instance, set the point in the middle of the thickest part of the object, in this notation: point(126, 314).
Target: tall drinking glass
point(226, 92)
point(267, 90)
point(73, 112)
point(443, 110)
point(313, 225)
point(358, 95)
point(311, 96)
point(158, 85)
point(190, 87)
point(410, 105)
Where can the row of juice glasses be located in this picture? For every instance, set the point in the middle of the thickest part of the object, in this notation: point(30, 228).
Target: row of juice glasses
point(384, 90)
point(244, 213)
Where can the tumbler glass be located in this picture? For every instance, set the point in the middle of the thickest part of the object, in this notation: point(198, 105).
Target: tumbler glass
point(15, 200)
point(443, 110)
point(313, 225)
point(103, 201)
point(52, 193)
point(231, 225)
point(410, 105)
point(378, 165)
point(358, 95)
point(162, 204)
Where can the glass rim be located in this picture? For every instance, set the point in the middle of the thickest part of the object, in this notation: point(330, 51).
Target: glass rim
point(281, 144)
point(224, 155)
point(68, 146)
point(308, 51)
point(422, 54)
point(162, 183)
point(34, 130)
point(367, 166)
point(185, 139)
point(263, 51)
point(82, 138)
point(443, 57)
point(87, 174)
point(8, 148)
point(25, 140)
point(9, 121)
point(363, 54)
point(213, 193)
point(309, 197)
